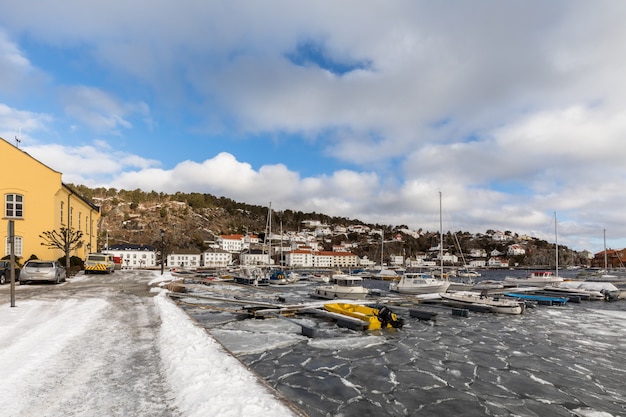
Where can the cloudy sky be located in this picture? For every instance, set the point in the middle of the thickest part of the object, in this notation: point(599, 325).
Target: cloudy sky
point(513, 110)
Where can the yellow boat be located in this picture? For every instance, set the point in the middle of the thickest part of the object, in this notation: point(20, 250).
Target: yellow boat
point(374, 318)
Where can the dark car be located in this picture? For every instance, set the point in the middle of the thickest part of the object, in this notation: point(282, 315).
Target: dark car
point(5, 272)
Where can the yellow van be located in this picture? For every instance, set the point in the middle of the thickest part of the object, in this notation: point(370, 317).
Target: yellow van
point(99, 262)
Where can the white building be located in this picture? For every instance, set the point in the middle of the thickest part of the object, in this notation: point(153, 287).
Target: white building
point(514, 250)
point(233, 243)
point(184, 259)
point(396, 260)
point(255, 257)
point(477, 263)
point(448, 257)
point(134, 256)
point(299, 258)
point(306, 258)
point(216, 258)
point(497, 262)
point(478, 253)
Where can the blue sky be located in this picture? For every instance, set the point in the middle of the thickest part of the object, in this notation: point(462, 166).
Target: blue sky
point(513, 110)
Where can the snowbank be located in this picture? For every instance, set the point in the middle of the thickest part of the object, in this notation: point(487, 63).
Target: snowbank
point(208, 380)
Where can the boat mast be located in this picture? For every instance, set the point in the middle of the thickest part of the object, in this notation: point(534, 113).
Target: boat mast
point(382, 250)
point(268, 234)
point(606, 263)
point(440, 238)
point(556, 241)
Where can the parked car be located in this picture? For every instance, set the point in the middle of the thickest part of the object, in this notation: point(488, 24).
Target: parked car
point(5, 272)
point(36, 270)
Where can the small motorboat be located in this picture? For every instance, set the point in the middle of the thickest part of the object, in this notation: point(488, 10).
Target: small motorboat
point(375, 318)
point(344, 286)
point(489, 303)
point(419, 283)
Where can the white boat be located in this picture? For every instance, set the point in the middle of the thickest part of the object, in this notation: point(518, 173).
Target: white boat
point(537, 278)
point(467, 273)
point(315, 277)
point(493, 304)
point(251, 276)
point(419, 283)
point(385, 274)
point(606, 290)
point(422, 282)
point(343, 287)
point(488, 284)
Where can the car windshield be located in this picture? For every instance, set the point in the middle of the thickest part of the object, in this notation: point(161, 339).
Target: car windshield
point(39, 265)
point(97, 258)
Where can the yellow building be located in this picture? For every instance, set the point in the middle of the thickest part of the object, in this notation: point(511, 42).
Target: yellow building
point(36, 199)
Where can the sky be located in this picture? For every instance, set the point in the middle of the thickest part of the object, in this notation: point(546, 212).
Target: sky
point(83, 350)
point(514, 111)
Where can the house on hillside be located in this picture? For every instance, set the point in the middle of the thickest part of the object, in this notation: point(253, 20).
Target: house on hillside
point(36, 200)
point(233, 243)
point(515, 250)
point(497, 262)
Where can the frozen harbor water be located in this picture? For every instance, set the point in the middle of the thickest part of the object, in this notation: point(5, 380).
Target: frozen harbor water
point(557, 361)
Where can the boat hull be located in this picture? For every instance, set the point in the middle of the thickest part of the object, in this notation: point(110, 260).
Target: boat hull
point(375, 318)
point(412, 283)
point(493, 304)
point(330, 292)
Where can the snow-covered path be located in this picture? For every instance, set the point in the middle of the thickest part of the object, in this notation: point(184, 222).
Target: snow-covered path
point(93, 347)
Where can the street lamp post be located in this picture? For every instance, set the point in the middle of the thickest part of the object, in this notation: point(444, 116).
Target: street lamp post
point(162, 250)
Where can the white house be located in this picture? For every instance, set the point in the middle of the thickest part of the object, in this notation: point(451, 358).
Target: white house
point(216, 258)
point(515, 250)
point(396, 260)
point(501, 236)
point(497, 262)
point(365, 262)
point(184, 258)
point(233, 243)
point(478, 253)
point(134, 256)
point(478, 263)
point(448, 257)
point(255, 257)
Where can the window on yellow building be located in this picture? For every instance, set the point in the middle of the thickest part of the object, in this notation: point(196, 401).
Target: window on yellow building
point(61, 212)
point(14, 206)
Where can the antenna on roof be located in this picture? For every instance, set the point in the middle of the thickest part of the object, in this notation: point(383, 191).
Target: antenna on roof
point(17, 139)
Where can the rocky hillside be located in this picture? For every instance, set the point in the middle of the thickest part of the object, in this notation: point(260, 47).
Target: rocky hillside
point(192, 221)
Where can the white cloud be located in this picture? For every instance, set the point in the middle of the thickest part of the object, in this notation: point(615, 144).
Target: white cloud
point(512, 109)
point(91, 165)
point(99, 109)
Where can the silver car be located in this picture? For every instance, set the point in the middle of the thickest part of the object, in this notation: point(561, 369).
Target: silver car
point(50, 271)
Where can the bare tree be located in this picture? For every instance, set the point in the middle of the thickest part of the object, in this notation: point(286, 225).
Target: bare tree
point(66, 239)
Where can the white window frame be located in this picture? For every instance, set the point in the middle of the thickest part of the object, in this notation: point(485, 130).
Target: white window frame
point(14, 204)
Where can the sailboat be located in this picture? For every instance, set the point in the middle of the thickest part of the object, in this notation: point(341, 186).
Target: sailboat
point(384, 274)
point(541, 278)
point(420, 282)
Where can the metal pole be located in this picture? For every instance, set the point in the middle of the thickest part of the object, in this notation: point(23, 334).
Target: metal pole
point(12, 260)
point(162, 250)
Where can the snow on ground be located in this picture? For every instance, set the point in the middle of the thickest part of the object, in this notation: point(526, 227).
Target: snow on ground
point(101, 353)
